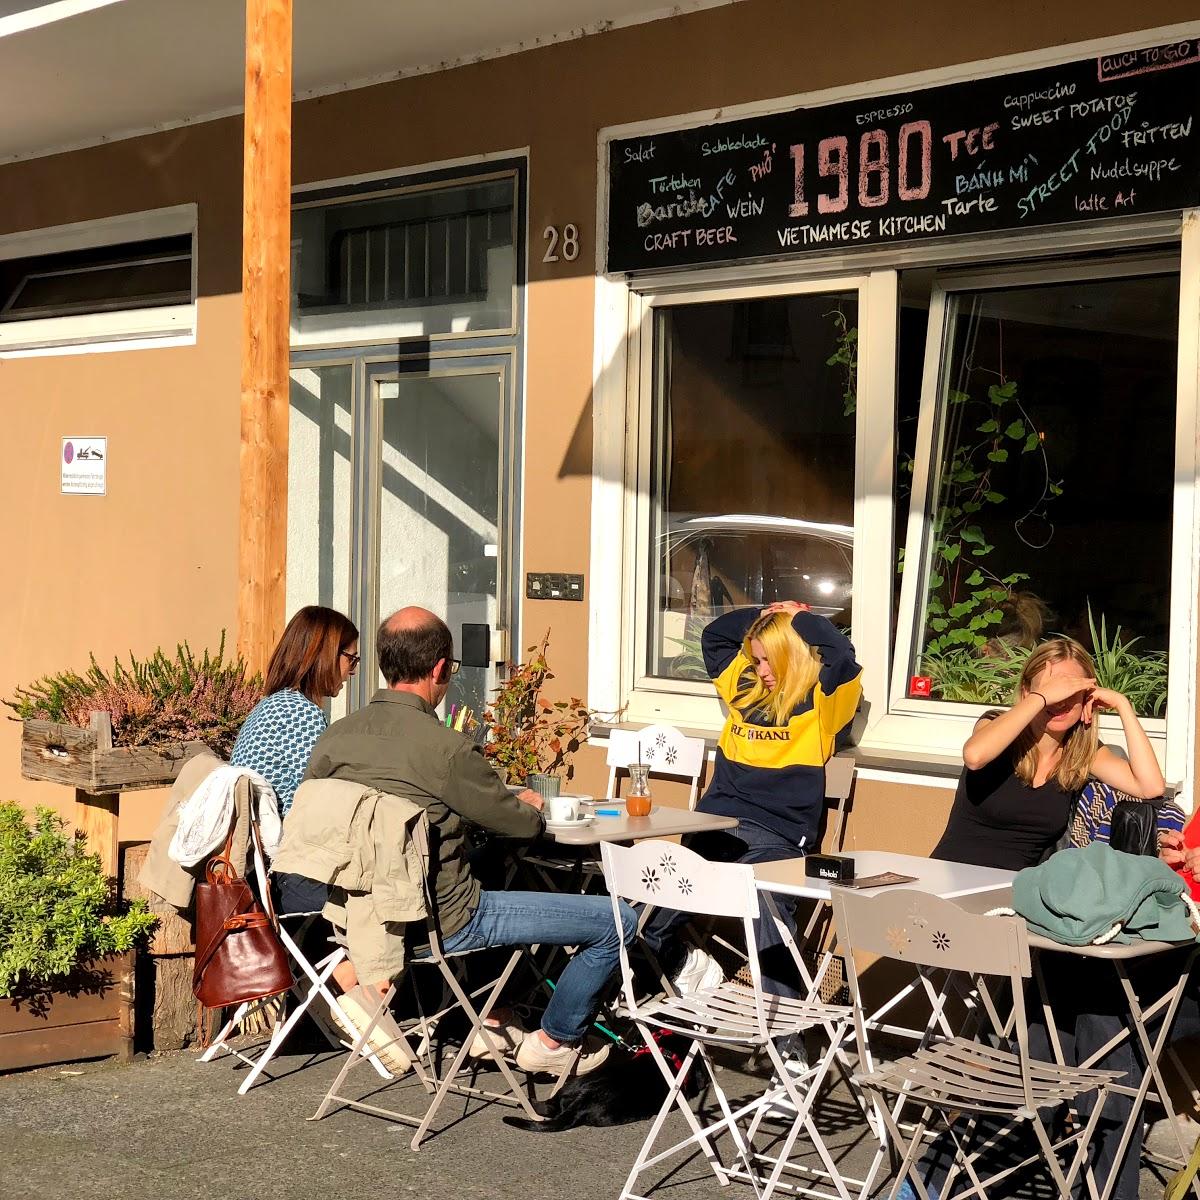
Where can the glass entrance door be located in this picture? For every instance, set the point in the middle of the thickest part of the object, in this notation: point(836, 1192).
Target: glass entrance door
point(437, 520)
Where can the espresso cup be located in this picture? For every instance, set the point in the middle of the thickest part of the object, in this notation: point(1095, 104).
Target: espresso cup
point(562, 808)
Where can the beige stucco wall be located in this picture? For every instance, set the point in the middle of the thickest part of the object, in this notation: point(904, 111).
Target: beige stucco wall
point(155, 560)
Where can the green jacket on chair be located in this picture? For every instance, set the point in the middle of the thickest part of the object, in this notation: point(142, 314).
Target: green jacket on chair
point(1078, 896)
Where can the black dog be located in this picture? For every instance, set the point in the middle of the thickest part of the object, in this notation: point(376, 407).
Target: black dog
point(628, 1088)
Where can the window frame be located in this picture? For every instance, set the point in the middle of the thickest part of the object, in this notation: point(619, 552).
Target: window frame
point(692, 703)
point(956, 720)
point(117, 328)
point(624, 376)
point(371, 326)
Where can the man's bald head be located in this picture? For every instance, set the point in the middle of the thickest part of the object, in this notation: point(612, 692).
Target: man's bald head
point(411, 643)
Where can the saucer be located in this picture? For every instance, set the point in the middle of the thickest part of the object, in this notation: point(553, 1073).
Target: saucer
point(578, 823)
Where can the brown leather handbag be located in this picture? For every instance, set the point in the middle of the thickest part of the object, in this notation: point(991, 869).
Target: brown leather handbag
point(239, 956)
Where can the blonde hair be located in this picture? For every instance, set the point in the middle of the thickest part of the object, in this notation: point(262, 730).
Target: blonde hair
point(793, 662)
point(1082, 741)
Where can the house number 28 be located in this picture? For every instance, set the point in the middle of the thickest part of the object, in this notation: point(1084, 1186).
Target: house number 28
point(570, 243)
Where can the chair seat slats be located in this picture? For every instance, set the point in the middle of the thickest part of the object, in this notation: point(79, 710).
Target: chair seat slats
point(728, 1010)
point(968, 1073)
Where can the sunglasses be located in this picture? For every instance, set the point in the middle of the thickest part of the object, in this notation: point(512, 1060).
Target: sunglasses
point(455, 666)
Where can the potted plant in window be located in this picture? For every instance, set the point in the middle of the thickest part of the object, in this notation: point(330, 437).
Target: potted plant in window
point(66, 946)
point(532, 740)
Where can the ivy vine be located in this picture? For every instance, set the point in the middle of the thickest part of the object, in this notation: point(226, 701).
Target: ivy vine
point(845, 356)
point(963, 595)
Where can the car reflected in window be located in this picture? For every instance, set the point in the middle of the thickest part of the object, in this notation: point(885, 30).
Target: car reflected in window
point(713, 564)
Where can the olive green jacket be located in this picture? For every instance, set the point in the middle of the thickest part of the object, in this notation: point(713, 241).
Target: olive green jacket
point(397, 745)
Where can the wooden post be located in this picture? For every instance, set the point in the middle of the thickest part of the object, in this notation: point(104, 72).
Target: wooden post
point(167, 1003)
point(97, 816)
point(266, 301)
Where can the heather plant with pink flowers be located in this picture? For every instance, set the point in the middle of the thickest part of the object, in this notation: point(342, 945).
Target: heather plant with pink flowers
point(162, 698)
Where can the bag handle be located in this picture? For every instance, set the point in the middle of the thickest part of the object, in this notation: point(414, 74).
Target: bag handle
point(220, 867)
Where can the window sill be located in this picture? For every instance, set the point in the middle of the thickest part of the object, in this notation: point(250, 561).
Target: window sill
point(123, 329)
point(915, 762)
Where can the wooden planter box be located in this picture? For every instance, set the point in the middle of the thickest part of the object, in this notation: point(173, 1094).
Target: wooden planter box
point(90, 1016)
point(86, 760)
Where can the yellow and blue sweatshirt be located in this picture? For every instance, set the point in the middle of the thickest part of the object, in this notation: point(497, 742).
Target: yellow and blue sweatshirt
point(774, 775)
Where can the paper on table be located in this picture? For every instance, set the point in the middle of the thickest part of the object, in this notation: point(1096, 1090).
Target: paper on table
point(884, 879)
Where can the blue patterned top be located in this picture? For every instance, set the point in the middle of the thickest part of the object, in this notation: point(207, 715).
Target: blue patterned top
point(277, 740)
point(1092, 819)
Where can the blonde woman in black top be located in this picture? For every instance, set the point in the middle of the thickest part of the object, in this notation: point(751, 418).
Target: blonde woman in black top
point(1023, 769)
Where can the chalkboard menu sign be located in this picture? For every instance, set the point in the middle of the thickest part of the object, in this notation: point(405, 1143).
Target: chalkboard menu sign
point(1108, 137)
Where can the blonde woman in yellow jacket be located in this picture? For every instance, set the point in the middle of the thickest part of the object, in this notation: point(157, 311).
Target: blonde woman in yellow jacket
point(791, 684)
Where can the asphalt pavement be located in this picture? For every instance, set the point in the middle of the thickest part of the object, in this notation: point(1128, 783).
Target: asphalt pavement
point(172, 1128)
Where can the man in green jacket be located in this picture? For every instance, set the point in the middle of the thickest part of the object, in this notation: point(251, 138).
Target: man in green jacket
point(398, 745)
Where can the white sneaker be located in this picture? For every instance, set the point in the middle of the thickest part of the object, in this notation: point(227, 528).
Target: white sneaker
point(534, 1056)
point(385, 1039)
point(699, 972)
point(507, 1036)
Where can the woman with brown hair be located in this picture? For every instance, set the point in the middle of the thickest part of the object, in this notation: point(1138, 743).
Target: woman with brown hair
point(1023, 769)
point(315, 656)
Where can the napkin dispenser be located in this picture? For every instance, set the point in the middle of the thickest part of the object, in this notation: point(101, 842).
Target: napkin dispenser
point(832, 867)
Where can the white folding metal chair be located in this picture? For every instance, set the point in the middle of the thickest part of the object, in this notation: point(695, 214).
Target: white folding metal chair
point(732, 1015)
point(667, 752)
point(420, 1037)
point(955, 1079)
point(312, 980)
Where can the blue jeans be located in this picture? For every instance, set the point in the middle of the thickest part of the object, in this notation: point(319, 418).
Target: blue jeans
point(548, 919)
point(748, 843)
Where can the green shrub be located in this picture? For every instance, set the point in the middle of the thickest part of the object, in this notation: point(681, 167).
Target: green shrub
point(163, 698)
point(57, 907)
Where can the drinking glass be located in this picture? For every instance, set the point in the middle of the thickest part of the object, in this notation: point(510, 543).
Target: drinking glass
point(637, 803)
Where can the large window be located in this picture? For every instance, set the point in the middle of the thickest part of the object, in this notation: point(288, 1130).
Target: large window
point(753, 464)
point(1048, 484)
point(954, 462)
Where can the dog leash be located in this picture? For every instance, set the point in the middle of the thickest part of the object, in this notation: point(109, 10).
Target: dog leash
point(671, 1056)
point(604, 1029)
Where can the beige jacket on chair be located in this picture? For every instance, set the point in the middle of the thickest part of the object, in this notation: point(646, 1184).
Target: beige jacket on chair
point(359, 841)
point(161, 874)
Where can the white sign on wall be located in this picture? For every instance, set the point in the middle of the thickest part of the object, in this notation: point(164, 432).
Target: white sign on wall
point(84, 464)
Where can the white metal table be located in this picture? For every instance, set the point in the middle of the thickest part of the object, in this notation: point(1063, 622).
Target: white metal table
point(949, 880)
point(662, 822)
point(964, 882)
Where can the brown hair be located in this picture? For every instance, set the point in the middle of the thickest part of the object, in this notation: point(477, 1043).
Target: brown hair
point(307, 655)
point(1082, 741)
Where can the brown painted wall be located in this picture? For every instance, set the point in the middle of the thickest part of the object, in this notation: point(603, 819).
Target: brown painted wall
point(155, 560)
